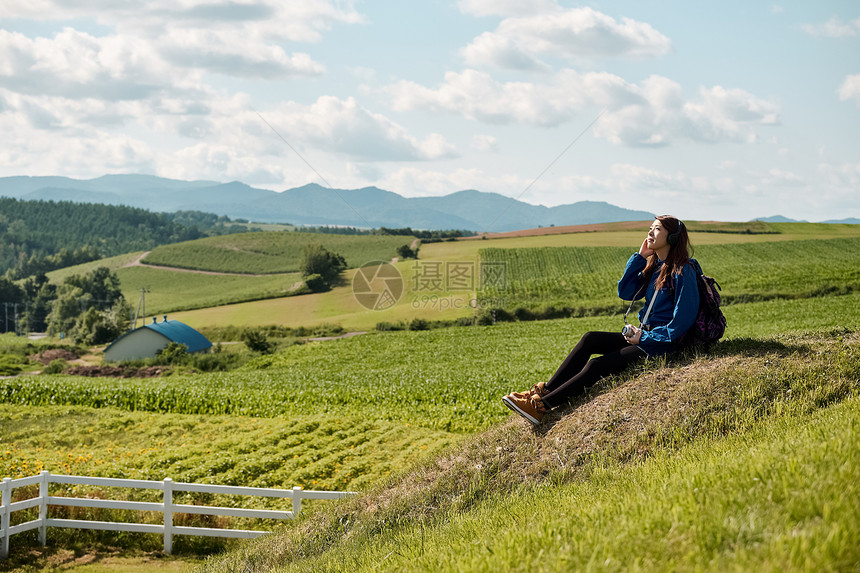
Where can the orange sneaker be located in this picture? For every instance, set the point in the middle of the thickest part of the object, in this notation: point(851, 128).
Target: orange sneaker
point(536, 390)
point(530, 408)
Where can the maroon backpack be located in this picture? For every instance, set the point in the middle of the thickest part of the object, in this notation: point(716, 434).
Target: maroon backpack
point(710, 324)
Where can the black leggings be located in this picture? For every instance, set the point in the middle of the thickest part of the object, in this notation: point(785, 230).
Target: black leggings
point(577, 372)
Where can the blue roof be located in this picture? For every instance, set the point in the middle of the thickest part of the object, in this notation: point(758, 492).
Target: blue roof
point(182, 333)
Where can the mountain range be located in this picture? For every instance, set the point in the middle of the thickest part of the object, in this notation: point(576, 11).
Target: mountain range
point(313, 204)
point(781, 219)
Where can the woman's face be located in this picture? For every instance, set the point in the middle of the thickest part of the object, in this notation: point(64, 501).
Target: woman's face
point(657, 236)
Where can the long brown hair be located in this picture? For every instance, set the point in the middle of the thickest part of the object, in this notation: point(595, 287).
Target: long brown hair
point(679, 253)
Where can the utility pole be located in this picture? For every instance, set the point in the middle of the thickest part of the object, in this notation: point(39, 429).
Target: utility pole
point(141, 304)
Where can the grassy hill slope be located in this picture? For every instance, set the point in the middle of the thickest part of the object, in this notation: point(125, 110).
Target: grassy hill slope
point(272, 252)
point(744, 460)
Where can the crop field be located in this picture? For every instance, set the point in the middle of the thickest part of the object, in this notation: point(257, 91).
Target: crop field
point(586, 276)
point(169, 291)
point(700, 233)
point(203, 300)
point(445, 379)
point(315, 451)
point(272, 252)
point(356, 413)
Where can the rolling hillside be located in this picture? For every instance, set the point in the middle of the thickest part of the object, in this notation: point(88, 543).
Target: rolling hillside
point(747, 459)
point(740, 458)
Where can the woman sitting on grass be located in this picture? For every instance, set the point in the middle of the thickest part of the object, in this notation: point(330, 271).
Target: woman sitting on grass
point(660, 269)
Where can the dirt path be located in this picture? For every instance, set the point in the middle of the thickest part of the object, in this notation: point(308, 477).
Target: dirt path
point(138, 262)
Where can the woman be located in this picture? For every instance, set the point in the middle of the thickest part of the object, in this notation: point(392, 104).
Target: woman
point(662, 273)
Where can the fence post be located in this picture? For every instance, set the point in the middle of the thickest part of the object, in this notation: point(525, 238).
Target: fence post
point(168, 516)
point(5, 502)
point(43, 507)
point(297, 501)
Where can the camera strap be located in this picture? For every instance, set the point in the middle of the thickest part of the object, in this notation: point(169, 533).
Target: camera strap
point(648, 312)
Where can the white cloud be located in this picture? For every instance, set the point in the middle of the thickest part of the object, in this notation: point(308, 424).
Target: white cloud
point(485, 143)
point(303, 21)
point(850, 89)
point(343, 126)
point(415, 182)
point(506, 7)
point(728, 114)
point(845, 175)
point(153, 45)
point(213, 125)
point(578, 34)
point(102, 151)
point(77, 65)
point(834, 28)
point(220, 162)
point(652, 113)
point(633, 177)
point(216, 51)
point(782, 178)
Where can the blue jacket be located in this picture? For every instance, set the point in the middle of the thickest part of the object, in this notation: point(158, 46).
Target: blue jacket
point(673, 313)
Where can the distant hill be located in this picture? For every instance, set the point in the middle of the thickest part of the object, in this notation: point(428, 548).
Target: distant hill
point(778, 219)
point(781, 219)
point(313, 204)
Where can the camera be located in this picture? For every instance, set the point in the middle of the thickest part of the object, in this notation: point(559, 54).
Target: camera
point(627, 330)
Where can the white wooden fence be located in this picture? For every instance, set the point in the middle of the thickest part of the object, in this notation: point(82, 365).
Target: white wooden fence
point(168, 508)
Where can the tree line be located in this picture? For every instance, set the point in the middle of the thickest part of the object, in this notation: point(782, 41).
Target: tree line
point(88, 308)
point(42, 236)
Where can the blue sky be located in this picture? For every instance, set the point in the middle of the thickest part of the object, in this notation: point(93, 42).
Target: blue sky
point(729, 110)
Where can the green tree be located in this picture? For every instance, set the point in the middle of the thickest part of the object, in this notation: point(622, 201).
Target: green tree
point(40, 294)
point(100, 284)
point(317, 260)
point(70, 303)
point(405, 252)
point(76, 310)
point(100, 327)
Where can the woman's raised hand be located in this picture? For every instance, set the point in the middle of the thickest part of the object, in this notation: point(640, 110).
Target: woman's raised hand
point(644, 250)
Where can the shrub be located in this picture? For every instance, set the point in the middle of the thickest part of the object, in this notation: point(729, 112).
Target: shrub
point(523, 313)
point(256, 341)
point(173, 353)
point(56, 366)
point(405, 252)
point(9, 365)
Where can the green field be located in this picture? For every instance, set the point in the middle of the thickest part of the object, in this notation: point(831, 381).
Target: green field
point(741, 458)
point(444, 379)
point(586, 276)
point(209, 300)
point(272, 252)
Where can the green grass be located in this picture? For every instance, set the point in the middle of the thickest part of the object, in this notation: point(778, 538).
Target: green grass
point(445, 379)
point(645, 472)
point(170, 291)
point(271, 252)
point(585, 277)
point(751, 502)
point(745, 460)
point(315, 451)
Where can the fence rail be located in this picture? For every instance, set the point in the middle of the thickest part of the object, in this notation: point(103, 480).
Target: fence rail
point(168, 508)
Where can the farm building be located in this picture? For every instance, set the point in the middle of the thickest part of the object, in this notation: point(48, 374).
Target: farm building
point(146, 341)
